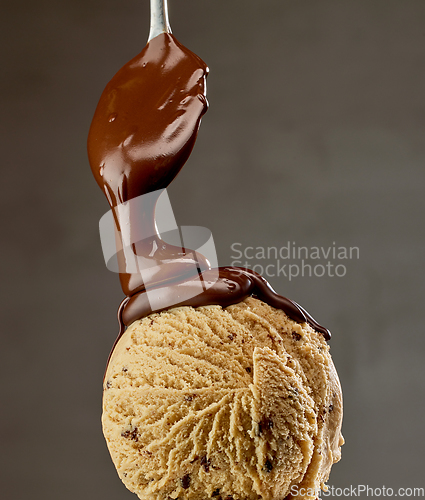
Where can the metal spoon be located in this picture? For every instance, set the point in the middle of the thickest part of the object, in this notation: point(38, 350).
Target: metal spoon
point(159, 18)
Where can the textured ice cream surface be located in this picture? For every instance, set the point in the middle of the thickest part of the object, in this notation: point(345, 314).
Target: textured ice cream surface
point(238, 403)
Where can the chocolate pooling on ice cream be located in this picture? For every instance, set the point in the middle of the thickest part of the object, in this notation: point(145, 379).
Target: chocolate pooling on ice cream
point(142, 133)
point(234, 284)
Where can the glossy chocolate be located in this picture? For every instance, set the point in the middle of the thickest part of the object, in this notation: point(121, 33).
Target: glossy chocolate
point(142, 133)
point(233, 285)
point(147, 119)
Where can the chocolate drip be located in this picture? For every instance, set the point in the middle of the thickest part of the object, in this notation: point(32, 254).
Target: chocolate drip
point(142, 133)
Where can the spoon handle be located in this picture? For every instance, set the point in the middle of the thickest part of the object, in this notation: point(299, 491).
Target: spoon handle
point(159, 18)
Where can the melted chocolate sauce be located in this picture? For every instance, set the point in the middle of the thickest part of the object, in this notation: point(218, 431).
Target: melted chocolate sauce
point(142, 133)
point(233, 285)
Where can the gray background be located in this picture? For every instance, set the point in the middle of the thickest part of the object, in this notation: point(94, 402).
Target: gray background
point(315, 134)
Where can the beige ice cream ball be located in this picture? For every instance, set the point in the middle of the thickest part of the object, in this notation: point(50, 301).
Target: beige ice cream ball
point(238, 403)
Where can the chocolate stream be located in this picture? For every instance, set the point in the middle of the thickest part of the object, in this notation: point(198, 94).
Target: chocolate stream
point(142, 133)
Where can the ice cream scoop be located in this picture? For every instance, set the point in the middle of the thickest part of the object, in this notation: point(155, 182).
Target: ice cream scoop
point(240, 402)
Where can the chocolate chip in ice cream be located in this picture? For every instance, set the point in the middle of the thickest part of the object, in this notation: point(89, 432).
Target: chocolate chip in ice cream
point(296, 336)
point(130, 434)
point(206, 463)
point(268, 466)
point(185, 481)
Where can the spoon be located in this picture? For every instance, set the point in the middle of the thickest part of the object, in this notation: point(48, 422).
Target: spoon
point(159, 18)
